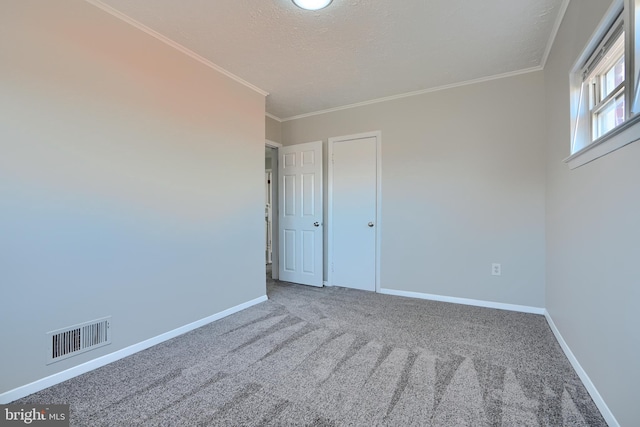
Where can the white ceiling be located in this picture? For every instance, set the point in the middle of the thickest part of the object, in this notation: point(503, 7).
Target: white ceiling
point(355, 50)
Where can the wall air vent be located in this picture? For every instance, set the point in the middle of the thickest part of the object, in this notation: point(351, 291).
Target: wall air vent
point(67, 342)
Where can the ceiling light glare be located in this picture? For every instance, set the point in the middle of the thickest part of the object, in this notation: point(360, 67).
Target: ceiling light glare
point(312, 4)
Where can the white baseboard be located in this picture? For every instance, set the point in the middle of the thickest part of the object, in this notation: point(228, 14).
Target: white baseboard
point(597, 399)
point(465, 301)
point(41, 384)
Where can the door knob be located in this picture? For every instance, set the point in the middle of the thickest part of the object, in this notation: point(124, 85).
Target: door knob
point(370, 224)
point(316, 224)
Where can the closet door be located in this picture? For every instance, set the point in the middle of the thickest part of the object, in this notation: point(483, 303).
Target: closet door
point(353, 212)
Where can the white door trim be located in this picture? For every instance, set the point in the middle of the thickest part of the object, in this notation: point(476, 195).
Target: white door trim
point(272, 144)
point(269, 214)
point(275, 236)
point(332, 141)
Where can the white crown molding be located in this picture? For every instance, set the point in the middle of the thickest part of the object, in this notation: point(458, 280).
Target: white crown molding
point(125, 18)
point(591, 388)
point(416, 93)
point(41, 384)
point(554, 32)
point(271, 116)
point(99, 4)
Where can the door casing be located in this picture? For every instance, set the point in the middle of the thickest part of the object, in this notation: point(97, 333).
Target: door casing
point(275, 241)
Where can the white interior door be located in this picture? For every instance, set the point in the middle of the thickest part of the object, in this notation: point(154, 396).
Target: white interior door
point(300, 213)
point(353, 212)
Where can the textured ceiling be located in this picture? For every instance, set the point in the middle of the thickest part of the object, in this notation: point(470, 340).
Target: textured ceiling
point(355, 50)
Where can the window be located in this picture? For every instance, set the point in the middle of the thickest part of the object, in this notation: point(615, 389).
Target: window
point(605, 97)
point(604, 78)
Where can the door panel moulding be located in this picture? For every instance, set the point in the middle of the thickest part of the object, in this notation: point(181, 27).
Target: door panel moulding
point(301, 213)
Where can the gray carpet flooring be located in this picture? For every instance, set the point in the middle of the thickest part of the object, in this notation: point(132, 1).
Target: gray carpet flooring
point(340, 357)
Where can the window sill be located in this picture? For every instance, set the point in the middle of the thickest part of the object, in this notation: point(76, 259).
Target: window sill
point(625, 134)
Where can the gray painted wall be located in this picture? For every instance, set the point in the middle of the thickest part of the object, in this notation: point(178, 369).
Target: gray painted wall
point(121, 189)
point(273, 129)
point(593, 236)
point(463, 186)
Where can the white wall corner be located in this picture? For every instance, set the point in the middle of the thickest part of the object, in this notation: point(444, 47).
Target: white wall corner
point(591, 388)
point(554, 32)
point(41, 384)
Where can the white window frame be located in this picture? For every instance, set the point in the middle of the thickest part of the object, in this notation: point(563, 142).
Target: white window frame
point(602, 61)
point(583, 149)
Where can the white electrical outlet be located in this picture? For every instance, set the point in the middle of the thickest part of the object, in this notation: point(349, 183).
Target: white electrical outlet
point(496, 269)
